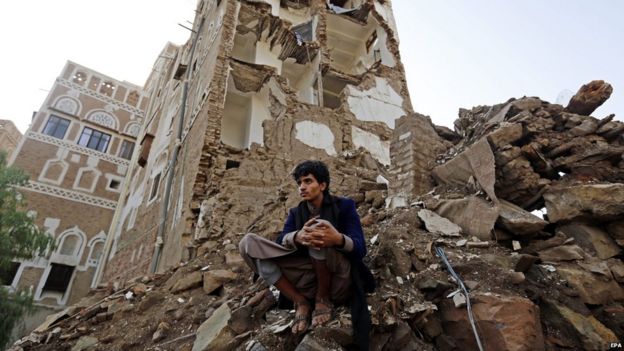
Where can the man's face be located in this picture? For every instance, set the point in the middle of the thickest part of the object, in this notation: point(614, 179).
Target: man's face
point(309, 187)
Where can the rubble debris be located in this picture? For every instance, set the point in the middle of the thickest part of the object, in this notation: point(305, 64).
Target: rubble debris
point(589, 97)
point(214, 333)
point(505, 323)
point(588, 201)
point(548, 283)
point(518, 221)
point(437, 224)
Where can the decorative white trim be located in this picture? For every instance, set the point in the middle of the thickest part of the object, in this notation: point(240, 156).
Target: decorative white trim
point(69, 195)
point(61, 154)
point(100, 238)
point(132, 129)
point(72, 259)
point(83, 170)
point(103, 118)
point(110, 100)
point(68, 105)
point(76, 148)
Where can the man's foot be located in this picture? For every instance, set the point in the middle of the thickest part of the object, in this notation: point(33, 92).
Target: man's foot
point(323, 311)
point(302, 316)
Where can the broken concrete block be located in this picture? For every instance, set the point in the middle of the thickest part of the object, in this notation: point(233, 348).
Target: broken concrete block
point(593, 334)
point(505, 323)
point(214, 333)
point(588, 201)
point(477, 162)
point(593, 288)
point(189, 281)
point(311, 343)
point(241, 320)
point(437, 224)
point(234, 259)
point(505, 134)
point(592, 239)
point(517, 220)
point(474, 215)
point(161, 332)
point(459, 300)
point(562, 253)
point(589, 97)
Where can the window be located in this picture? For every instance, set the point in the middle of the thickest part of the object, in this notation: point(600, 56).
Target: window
point(56, 127)
point(114, 184)
point(80, 78)
point(107, 88)
point(155, 185)
point(59, 278)
point(126, 149)
point(94, 139)
point(7, 276)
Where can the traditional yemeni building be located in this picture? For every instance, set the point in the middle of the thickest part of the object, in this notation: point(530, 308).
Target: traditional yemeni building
point(9, 137)
point(258, 86)
point(77, 153)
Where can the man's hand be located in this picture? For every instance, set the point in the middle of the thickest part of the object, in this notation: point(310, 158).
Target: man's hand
point(323, 234)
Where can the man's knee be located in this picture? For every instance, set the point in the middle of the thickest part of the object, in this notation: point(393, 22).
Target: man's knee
point(243, 245)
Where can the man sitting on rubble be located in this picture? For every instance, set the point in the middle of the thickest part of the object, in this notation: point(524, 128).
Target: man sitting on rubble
point(318, 255)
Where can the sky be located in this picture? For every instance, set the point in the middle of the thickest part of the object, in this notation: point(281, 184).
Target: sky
point(456, 53)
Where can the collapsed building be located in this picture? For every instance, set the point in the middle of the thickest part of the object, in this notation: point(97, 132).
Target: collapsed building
point(258, 86)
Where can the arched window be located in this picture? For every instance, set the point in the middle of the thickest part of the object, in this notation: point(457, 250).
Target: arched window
point(107, 88)
point(133, 98)
point(70, 244)
point(67, 105)
point(80, 78)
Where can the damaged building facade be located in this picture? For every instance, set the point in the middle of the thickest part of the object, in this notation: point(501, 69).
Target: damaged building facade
point(258, 86)
point(77, 153)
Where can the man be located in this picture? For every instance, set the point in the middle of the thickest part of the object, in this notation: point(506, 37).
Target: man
point(318, 255)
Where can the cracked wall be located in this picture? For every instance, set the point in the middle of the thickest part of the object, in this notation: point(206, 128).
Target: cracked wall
point(269, 83)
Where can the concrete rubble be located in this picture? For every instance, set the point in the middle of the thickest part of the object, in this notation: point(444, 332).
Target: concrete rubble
point(525, 198)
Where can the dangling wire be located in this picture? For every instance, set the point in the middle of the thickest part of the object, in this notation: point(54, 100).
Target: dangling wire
point(442, 256)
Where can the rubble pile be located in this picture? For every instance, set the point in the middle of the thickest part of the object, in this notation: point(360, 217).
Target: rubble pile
point(527, 210)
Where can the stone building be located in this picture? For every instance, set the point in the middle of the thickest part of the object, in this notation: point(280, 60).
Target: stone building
point(77, 153)
point(258, 86)
point(9, 136)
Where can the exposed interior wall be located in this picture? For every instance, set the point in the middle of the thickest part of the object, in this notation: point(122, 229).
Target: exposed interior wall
point(380, 103)
point(379, 149)
point(236, 119)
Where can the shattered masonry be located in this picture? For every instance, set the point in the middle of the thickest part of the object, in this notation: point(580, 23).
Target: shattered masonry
point(269, 84)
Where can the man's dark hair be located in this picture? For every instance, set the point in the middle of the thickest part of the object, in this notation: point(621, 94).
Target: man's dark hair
point(316, 168)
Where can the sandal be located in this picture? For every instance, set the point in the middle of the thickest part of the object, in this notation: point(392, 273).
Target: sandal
point(301, 318)
point(329, 310)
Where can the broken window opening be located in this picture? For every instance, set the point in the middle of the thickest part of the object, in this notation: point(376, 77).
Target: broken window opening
point(7, 275)
point(231, 164)
point(302, 78)
point(59, 278)
point(179, 72)
point(352, 45)
point(235, 121)
point(332, 91)
point(304, 32)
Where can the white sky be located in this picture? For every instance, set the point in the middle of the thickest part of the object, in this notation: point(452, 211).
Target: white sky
point(456, 53)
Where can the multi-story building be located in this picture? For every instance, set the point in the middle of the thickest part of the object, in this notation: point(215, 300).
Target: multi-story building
point(9, 137)
point(77, 153)
point(258, 86)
